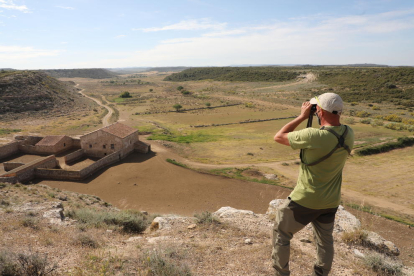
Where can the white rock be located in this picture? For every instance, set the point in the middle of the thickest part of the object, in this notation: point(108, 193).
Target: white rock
point(273, 206)
point(359, 254)
point(270, 176)
point(133, 239)
point(169, 222)
point(378, 243)
point(345, 221)
point(229, 212)
point(248, 241)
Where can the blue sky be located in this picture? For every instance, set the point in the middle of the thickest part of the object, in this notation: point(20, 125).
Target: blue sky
point(42, 34)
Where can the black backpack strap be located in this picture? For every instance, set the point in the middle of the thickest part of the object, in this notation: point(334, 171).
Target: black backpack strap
point(341, 144)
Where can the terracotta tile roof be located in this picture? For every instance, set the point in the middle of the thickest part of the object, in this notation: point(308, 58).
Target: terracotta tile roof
point(119, 130)
point(50, 140)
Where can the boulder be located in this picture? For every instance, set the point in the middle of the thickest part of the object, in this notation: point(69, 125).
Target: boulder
point(273, 206)
point(229, 212)
point(379, 244)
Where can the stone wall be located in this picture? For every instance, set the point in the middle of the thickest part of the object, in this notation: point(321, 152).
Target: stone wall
point(11, 180)
point(74, 156)
point(28, 149)
point(9, 149)
point(29, 140)
point(101, 163)
point(8, 166)
point(58, 174)
point(27, 172)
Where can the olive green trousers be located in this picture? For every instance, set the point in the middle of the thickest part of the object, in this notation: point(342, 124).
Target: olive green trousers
point(291, 218)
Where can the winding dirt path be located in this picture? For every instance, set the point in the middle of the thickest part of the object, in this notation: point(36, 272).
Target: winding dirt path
point(105, 120)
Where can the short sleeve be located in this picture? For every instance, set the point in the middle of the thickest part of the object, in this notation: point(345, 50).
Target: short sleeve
point(301, 139)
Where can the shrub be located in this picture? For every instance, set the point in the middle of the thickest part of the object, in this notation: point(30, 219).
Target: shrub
point(130, 222)
point(362, 114)
point(365, 121)
point(377, 122)
point(395, 126)
point(349, 120)
point(86, 241)
point(125, 94)
point(382, 265)
point(185, 92)
point(249, 105)
point(179, 88)
point(393, 118)
point(31, 223)
point(34, 264)
point(375, 107)
point(206, 218)
point(163, 264)
point(8, 266)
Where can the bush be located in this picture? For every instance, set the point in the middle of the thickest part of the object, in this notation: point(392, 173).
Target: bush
point(35, 264)
point(185, 92)
point(349, 121)
point(31, 223)
point(86, 241)
point(393, 118)
point(125, 94)
point(206, 218)
point(377, 122)
point(8, 266)
point(31, 264)
point(129, 221)
point(382, 265)
point(365, 121)
point(165, 264)
point(395, 126)
point(179, 88)
point(362, 114)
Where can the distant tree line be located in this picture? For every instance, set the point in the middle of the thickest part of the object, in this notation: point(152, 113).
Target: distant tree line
point(234, 74)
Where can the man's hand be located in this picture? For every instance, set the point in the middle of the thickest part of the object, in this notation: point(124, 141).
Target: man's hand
point(305, 110)
point(282, 135)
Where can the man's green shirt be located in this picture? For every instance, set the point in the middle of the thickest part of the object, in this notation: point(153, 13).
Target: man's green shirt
point(319, 186)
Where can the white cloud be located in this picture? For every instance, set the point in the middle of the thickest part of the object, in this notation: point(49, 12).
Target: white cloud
point(315, 40)
point(66, 8)
point(9, 5)
point(187, 25)
point(19, 52)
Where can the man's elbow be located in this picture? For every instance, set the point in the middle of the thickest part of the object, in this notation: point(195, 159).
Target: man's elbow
point(282, 139)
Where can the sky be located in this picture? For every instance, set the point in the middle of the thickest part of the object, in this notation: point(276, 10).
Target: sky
point(58, 34)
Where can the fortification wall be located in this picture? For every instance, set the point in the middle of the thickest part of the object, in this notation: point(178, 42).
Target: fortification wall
point(26, 172)
point(101, 163)
point(74, 156)
point(58, 174)
point(8, 166)
point(9, 149)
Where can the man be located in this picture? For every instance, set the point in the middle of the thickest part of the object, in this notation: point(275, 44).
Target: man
point(316, 196)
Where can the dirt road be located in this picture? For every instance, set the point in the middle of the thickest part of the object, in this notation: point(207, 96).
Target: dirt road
point(105, 120)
